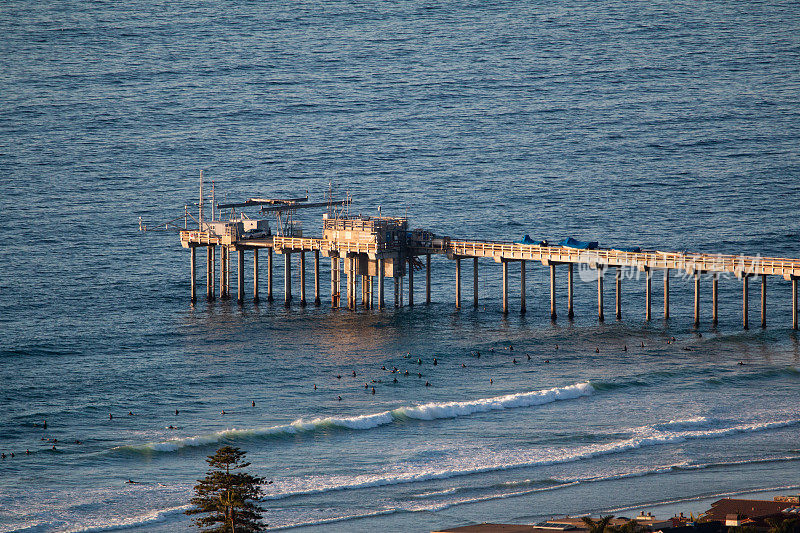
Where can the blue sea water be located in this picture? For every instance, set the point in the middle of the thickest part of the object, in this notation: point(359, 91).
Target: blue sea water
point(666, 125)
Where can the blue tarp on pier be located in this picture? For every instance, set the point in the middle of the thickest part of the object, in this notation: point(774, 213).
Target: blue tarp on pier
point(569, 242)
point(527, 240)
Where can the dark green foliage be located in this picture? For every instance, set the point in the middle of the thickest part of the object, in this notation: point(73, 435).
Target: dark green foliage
point(598, 526)
point(227, 495)
point(785, 525)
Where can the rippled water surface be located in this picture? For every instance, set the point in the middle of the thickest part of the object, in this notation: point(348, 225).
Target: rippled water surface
point(666, 125)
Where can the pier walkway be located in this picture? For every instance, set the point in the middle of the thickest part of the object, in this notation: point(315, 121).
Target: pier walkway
point(378, 248)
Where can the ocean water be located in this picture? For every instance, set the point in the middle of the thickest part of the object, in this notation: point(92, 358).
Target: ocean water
point(668, 125)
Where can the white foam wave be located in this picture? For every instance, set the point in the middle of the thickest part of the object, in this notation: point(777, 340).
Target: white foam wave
point(489, 462)
point(152, 517)
point(428, 411)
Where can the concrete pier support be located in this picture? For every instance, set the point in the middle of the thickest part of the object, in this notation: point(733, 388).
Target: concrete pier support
point(570, 291)
point(522, 302)
point(763, 301)
point(427, 278)
point(715, 299)
point(600, 276)
point(666, 293)
point(458, 283)
point(475, 282)
point(193, 272)
point(648, 274)
point(287, 279)
point(794, 302)
point(745, 298)
point(397, 291)
point(618, 293)
point(371, 300)
point(224, 266)
point(696, 299)
point(351, 283)
point(316, 278)
point(380, 282)
point(210, 272)
point(255, 275)
point(410, 281)
point(269, 275)
point(553, 314)
point(302, 279)
point(334, 280)
point(240, 276)
point(505, 286)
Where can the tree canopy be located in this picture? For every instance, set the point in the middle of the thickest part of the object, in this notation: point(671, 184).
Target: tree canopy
point(227, 495)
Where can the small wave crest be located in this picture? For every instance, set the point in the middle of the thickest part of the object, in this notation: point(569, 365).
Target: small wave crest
point(428, 411)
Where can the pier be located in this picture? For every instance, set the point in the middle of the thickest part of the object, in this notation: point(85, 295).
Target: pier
point(367, 250)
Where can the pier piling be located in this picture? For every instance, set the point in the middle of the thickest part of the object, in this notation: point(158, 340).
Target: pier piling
point(240, 276)
point(224, 265)
point(397, 302)
point(380, 282)
point(458, 283)
point(522, 303)
point(696, 305)
point(570, 299)
point(715, 299)
point(302, 279)
point(553, 314)
point(504, 264)
point(475, 282)
point(427, 278)
point(287, 279)
point(648, 275)
point(745, 298)
point(269, 275)
point(618, 293)
point(210, 274)
point(255, 275)
point(316, 278)
point(666, 294)
point(410, 281)
point(763, 301)
point(600, 276)
point(794, 302)
point(193, 272)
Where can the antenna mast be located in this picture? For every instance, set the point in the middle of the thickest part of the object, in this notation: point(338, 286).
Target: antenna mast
point(200, 220)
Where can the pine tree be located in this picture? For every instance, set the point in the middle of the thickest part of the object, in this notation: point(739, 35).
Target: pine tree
point(227, 495)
